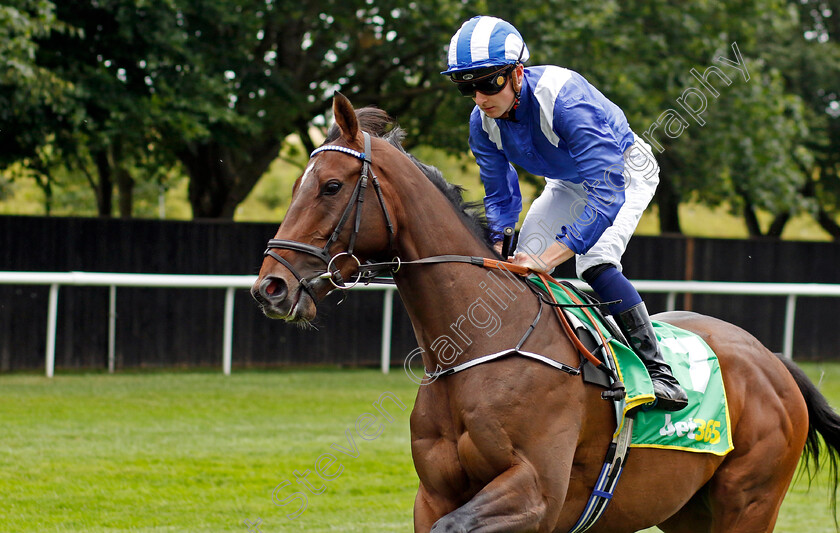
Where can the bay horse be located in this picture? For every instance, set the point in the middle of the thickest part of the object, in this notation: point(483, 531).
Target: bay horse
point(513, 445)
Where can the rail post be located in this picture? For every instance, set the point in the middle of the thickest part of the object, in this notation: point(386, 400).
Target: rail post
point(387, 325)
point(112, 328)
point(52, 322)
point(790, 317)
point(227, 349)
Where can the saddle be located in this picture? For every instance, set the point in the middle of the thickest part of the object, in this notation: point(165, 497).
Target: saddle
point(693, 362)
point(582, 312)
point(610, 363)
point(604, 374)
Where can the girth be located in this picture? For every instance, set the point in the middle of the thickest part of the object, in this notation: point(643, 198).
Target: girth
point(368, 272)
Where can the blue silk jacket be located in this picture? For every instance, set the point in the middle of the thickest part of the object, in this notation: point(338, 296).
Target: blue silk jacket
point(565, 129)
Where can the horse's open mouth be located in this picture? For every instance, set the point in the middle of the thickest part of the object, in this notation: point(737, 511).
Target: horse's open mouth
point(273, 313)
point(300, 307)
point(278, 302)
point(301, 310)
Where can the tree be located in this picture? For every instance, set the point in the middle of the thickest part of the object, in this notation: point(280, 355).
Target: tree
point(641, 54)
point(115, 132)
point(215, 87)
point(71, 98)
point(810, 62)
point(30, 95)
point(273, 66)
point(219, 84)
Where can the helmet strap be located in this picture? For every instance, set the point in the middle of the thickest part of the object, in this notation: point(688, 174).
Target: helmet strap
point(517, 92)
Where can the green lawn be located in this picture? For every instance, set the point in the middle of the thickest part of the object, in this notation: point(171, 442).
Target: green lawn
point(204, 452)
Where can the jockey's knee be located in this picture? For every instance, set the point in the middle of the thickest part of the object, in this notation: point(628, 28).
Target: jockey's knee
point(591, 274)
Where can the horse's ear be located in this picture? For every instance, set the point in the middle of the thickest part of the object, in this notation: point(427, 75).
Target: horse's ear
point(345, 117)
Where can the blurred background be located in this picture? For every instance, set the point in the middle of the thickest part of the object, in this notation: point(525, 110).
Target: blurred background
point(164, 137)
point(197, 109)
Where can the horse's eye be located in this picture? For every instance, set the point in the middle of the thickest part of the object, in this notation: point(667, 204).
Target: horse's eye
point(331, 187)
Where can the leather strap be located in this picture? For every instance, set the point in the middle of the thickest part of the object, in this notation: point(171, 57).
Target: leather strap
point(356, 200)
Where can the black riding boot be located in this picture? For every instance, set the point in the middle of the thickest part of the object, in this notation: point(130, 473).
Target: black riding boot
point(636, 326)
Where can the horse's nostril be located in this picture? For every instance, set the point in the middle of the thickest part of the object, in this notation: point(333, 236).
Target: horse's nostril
point(273, 289)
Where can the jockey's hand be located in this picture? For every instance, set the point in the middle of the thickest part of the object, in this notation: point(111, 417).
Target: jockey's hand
point(529, 262)
point(498, 247)
point(554, 255)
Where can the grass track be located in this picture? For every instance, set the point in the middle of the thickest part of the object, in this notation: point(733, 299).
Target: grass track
point(202, 452)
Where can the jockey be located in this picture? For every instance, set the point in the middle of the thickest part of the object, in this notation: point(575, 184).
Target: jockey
point(599, 175)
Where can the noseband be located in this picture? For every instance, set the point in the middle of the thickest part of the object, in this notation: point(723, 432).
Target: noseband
point(369, 271)
point(356, 199)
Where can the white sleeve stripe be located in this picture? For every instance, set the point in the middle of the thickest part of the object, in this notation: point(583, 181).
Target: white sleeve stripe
point(489, 125)
point(546, 91)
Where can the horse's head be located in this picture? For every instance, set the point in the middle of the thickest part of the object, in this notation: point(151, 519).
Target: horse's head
point(338, 217)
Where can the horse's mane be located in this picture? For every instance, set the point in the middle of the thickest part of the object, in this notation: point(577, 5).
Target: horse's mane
point(379, 124)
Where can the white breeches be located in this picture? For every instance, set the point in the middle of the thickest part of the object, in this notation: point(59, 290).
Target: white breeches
point(560, 201)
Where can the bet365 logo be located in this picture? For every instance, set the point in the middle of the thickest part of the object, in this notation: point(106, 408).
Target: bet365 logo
point(693, 429)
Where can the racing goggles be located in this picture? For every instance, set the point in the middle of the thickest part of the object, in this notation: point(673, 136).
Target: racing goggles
point(488, 80)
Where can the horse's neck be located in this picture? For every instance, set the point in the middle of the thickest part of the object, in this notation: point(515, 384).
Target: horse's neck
point(456, 309)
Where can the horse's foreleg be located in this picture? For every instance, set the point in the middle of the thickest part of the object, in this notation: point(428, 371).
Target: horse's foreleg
point(511, 502)
point(428, 509)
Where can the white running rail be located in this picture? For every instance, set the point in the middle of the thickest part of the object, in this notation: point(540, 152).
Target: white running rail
point(230, 283)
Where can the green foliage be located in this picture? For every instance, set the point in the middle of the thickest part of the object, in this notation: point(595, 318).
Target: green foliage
point(641, 55)
point(28, 91)
point(810, 63)
point(22, 23)
point(116, 90)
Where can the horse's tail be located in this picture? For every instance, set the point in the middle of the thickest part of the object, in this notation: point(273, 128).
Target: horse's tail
point(822, 421)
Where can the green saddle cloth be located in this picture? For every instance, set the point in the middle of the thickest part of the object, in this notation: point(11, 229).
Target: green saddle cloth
point(704, 425)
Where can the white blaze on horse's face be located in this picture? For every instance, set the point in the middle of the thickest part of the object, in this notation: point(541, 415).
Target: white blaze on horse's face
point(306, 173)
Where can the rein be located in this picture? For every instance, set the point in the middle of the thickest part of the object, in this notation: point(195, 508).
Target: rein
point(368, 272)
point(371, 270)
point(356, 199)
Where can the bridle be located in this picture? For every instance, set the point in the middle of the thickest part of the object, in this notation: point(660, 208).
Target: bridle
point(356, 199)
point(369, 271)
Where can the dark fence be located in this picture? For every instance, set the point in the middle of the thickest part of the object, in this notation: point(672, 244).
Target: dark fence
point(182, 327)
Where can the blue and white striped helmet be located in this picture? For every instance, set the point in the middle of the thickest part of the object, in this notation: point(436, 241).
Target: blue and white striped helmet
point(485, 42)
